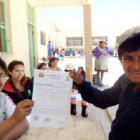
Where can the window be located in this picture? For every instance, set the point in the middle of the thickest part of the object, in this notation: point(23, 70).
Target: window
point(43, 38)
point(3, 29)
point(74, 41)
point(97, 39)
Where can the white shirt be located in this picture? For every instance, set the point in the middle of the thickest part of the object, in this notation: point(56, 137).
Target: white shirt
point(7, 107)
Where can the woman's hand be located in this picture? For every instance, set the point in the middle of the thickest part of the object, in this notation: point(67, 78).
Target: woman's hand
point(22, 110)
point(76, 76)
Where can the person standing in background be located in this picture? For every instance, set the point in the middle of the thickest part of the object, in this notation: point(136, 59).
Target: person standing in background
point(50, 53)
point(63, 54)
point(101, 53)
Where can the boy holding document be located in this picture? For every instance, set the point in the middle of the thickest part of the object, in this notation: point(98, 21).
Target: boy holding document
point(125, 92)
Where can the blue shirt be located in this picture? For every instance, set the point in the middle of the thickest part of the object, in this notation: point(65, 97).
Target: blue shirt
point(49, 50)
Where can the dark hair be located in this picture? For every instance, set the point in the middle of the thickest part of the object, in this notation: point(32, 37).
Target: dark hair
point(3, 65)
point(11, 66)
point(52, 59)
point(101, 42)
point(68, 70)
point(40, 65)
point(131, 44)
point(82, 72)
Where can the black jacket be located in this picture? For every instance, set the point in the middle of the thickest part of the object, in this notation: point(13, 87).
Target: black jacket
point(26, 94)
point(126, 125)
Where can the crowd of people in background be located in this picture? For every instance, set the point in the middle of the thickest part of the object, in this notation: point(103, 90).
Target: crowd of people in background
point(60, 52)
point(101, 53)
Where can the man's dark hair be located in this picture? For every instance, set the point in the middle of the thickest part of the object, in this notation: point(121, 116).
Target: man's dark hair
point(3, 65)
point(131, 44)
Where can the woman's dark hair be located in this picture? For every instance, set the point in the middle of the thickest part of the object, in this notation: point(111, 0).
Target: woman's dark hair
point(52, 59)
point(3, 65)
point(40, 65)
point(82, 72)
point(131, 44)
point(11, 66)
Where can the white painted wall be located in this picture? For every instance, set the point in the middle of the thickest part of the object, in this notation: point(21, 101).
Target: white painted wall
point(61, 37)
point(44, 25)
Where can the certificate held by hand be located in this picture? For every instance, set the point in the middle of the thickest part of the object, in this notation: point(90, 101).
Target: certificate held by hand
point(51, 94)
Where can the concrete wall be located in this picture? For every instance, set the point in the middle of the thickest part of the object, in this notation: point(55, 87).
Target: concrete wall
point(17, 33)
point(62, 35)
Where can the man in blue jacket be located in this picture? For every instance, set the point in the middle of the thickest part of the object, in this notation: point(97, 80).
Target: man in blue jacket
point(50, 53)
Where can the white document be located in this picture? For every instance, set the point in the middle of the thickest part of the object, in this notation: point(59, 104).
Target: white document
point(51, 94)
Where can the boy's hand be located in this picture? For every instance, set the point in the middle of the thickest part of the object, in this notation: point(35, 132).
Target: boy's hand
point(22, 110)
point(76, 76)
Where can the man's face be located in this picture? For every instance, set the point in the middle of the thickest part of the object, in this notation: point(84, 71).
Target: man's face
point(131, 65)
point(2, 78)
